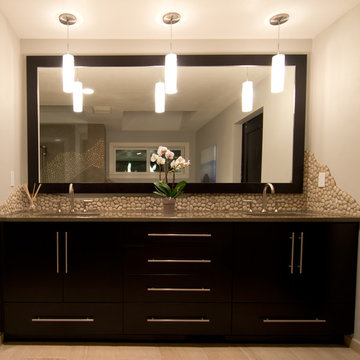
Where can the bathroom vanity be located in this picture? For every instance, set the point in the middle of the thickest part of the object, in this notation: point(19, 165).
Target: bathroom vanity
point(181, 277)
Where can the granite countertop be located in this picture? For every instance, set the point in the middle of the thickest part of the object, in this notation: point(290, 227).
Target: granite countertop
point(180, 216)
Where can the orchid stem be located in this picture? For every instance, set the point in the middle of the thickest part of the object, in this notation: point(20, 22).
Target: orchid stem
point(166, 172)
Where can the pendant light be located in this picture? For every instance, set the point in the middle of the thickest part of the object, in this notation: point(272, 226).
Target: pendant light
point(171, 58)
point(159, 97)
point(68, 69)
point(78, 96)
point(278, 60)
point(247, 94)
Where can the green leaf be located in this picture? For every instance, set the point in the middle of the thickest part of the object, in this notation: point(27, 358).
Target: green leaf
point(159, 194)
point(179, 189)
point(164, 188)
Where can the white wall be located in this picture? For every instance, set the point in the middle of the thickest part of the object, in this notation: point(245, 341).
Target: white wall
point(12, 122)
point(278, 129)
point(333, 128)
point(225, 131)
point(136, 47)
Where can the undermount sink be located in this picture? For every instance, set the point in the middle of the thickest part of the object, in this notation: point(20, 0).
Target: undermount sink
point(77, 214)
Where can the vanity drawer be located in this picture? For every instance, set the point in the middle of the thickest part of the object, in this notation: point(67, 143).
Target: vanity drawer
point(173, 259)
point(62, 321)
point(291, 319)
point(176, 248)
point(177, 319)
point(184, 287)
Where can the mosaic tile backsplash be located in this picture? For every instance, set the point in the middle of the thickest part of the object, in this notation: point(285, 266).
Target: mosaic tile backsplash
point(327, 199)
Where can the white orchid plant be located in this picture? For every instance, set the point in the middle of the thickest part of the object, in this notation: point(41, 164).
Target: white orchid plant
point(165, 158)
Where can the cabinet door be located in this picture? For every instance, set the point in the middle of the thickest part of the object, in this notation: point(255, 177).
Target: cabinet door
point(341, 262)
point(312, 246)
point(31, 266)
point(93, 262)
point(262, 260)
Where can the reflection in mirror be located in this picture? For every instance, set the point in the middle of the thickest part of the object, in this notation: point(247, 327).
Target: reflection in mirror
point(112, 140)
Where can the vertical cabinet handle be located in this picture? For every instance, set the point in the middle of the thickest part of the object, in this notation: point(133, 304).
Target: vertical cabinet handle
point(291, 266)
point(66, 252)
point(301, 252)
point(57, 252)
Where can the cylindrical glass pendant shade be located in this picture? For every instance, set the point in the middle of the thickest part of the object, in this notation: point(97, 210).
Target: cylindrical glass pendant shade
point(277, 73)
point(78, 97)
point(159, 97)
point(68, 71)
point(171, 74)
point(247, 96)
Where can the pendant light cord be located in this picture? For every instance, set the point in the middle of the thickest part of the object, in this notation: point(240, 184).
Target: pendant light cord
point(67, 37)
point(278, 44)
point(171, 34)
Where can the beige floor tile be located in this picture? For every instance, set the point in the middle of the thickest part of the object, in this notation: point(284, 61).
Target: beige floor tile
point(182, 353)
point(41, 352)
point(325, 353)
point(226, 353)
point(175, 352)
point(269, 353)
point(120, 352)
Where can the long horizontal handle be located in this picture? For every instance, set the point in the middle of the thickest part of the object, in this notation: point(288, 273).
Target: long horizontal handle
point(294, 321)
point(200, 261)
point(202, 320)
point(179, 289)
point(39, 319)
point(178, 235)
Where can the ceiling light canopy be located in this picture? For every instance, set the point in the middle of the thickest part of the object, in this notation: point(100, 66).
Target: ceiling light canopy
point(278, 61)
point(88, 91)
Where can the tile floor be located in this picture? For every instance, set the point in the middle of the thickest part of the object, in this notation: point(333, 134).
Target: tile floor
point(176, 352)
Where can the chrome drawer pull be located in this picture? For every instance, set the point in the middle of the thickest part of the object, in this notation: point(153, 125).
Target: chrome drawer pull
point(202, 261)
point(179, 289)
point(39, 319)
point(301, 252)
point(291, 266)
point(202, 320)
point(178, 235)
point(294, 321)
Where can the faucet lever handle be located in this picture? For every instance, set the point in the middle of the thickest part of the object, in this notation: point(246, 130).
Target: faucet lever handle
point(86, 202)
point(250, 202)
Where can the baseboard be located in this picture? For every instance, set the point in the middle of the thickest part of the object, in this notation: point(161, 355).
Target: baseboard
point(352, 343)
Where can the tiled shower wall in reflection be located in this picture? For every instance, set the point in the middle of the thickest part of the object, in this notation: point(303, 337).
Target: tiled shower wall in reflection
point(72, 153)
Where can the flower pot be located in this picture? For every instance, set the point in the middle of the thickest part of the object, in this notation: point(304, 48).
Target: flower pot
point(168, 205)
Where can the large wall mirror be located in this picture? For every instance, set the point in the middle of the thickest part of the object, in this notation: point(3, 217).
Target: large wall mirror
point(107, 147)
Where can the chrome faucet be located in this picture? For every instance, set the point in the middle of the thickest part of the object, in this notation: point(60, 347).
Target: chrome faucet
point(72, 196)
point(264, 198)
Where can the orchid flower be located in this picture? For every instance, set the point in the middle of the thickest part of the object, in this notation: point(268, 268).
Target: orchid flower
point(162, 187)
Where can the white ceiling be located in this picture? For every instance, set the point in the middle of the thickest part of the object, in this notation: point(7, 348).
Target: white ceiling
point(128, 92)
point(201, 19)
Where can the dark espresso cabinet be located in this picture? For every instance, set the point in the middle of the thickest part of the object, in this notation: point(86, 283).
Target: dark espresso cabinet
point(59, 278)
point(294, 278)
point(178, 279)
point(138, 280)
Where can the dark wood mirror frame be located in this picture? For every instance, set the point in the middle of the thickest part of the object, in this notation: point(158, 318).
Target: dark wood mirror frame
point(35, 62)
